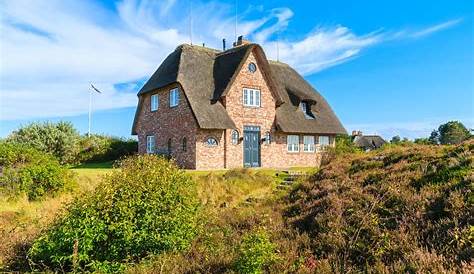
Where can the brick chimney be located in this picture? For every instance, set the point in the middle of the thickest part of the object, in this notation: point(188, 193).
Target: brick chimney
point(241, 41)
point(356, 133)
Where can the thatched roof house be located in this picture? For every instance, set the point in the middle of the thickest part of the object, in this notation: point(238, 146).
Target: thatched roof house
point(367, 142)
point(211, 82)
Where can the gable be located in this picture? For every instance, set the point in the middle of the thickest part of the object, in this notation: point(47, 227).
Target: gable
point(236, 59)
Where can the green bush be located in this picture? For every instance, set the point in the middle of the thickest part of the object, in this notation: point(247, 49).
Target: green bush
point(147, 207)
point(255, 252)
point(27, 170)
point(59, 139)
point(100, 148)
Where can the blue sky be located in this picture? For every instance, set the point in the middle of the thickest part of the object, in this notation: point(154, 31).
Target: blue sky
point(391, 68)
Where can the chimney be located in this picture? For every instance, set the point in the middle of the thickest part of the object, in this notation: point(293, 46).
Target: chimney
point(241, 41)
point(356, 133)
point(223, 44)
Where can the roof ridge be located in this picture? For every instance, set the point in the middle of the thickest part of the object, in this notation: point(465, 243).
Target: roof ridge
point(197, 47)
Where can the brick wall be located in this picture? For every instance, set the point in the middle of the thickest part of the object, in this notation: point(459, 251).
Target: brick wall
point(169, 123)
point(274, 154)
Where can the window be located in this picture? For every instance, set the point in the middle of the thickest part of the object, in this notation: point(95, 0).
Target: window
point(251, 97)
point(211, 141)
point(185, 144)
point(154, 102)
point(267, 138)
point(308, 143)
point(169, 146)
point(306, 108)
point(150, 144)
point(252, 67)
point(293, 142)
point(324, 141)
point(174, 97)
point(234, 137)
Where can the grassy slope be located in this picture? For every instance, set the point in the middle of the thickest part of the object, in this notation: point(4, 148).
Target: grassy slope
point(402, 209)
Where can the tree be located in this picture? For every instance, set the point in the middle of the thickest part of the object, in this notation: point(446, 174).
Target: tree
point(453, 132)
point(395, 139)
point(423, 141)
point(59, 139)
point(434, 137)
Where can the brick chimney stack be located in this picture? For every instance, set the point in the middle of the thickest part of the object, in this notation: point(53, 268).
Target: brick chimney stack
point(356, 133)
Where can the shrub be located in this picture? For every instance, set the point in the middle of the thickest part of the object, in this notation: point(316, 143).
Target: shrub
point(255, 252)
point(147, 207)
point(26, 170)
point(59, 139)
point(100, 148)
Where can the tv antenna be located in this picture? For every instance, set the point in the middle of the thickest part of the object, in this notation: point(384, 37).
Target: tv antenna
point(235, 26)
point(191, 21)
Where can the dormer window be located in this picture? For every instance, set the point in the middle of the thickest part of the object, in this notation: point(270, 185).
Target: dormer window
point(306, 108)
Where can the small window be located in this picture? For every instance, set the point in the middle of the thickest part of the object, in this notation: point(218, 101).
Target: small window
point(293, 142)
point(185, 144)
point(174, 97)
point(267, 138)
point(251, 97)
point(308, 143)
point(324, 141)
point(211, 141)
point(306, 108)
point(234, 137)
point(150, 144)
point(252, 67)
point(169, 146)
point(154, 102)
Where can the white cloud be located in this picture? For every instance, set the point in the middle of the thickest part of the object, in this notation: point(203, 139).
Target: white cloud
point(51, 50)
point(435, 28)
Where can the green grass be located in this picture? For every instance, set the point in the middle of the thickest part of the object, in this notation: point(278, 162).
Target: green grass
point(102, 165)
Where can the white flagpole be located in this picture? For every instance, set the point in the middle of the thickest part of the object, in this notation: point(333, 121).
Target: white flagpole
point(92, 88)
point(90, 113)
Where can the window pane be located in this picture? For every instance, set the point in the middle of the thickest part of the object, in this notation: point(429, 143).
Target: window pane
point(246, 98)
point(150, 144)
point(293, 142)
point(324, 140)
point(308, 142)
point(257, 97)
point(251, 97)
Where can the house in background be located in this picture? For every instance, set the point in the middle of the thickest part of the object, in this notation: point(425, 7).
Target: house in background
point(367, 142)
point(211, 109)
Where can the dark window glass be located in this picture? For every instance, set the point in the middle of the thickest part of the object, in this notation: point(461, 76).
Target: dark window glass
point(185, 144)
point(211, 141)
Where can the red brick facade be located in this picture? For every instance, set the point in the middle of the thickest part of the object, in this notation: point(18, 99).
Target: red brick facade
point(179, 122)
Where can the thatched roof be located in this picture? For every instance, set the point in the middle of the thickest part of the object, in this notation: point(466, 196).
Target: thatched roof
point(369, 142)
point(205, 76)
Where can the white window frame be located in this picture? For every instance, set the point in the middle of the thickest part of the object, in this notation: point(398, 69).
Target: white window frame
point(323, 137)
point(234, 137)
point(251, 97)
point(154, 102)
point(150, 144)
point(294, 145)
point(174, 97)
point(308, 143)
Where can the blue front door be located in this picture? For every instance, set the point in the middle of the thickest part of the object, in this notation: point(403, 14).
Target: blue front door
point(251, 146)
